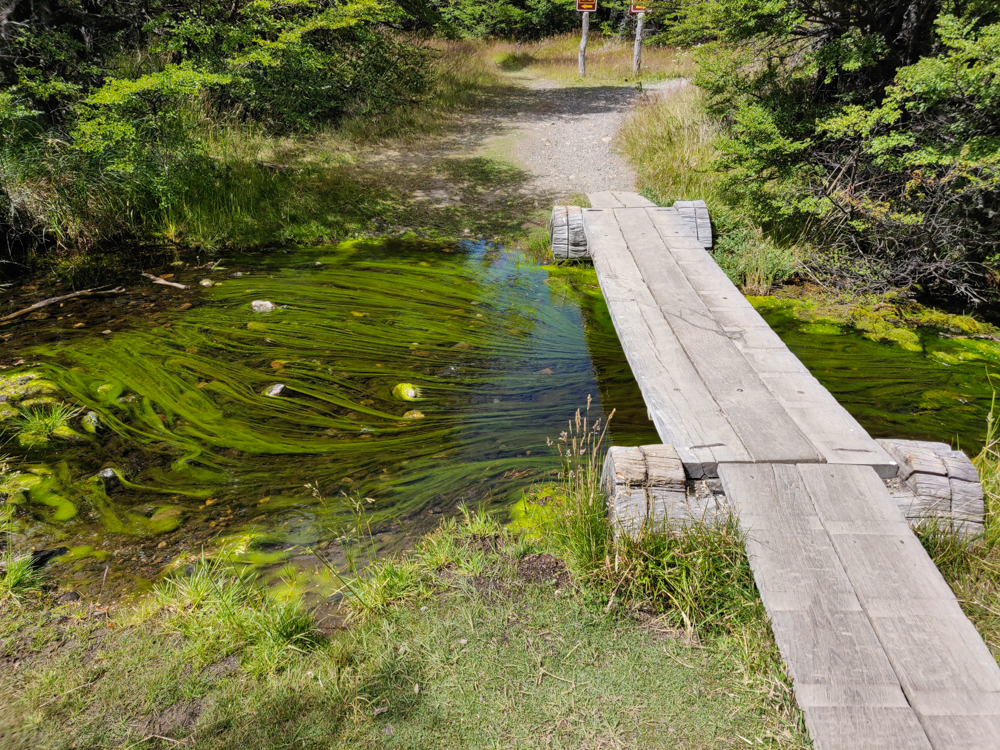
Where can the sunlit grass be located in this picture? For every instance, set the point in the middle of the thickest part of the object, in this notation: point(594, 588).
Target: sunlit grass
point(609, 60)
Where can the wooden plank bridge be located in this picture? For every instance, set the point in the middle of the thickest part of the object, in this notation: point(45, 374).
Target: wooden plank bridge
point(879, 651)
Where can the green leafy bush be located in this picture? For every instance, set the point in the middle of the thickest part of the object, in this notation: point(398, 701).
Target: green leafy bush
point(104, 111)
point(866, 129)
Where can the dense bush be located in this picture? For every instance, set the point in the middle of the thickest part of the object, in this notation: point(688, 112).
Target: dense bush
point(524, 20)
point(100, 102)
point(870, 130)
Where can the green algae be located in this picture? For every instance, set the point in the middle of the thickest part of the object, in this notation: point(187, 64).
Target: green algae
point(497, 351)
point(917, 383)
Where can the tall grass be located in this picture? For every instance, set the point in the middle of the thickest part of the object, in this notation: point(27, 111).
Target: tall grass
point(18, 574)
point(670, 139)
point(697, 576)
point(609, 60)
point(217, 604)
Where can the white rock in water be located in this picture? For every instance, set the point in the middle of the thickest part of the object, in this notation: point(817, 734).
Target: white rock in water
point(207, 282)
point(275, 390)
point(262, 305)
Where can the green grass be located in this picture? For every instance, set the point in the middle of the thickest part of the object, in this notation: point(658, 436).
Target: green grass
point(477, 638)
point(18, 574)
point(37, 425)
point(248, 188)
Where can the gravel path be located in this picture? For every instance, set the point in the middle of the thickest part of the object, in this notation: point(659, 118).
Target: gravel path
point(564, 137)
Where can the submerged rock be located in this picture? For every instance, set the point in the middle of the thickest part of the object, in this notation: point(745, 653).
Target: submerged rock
point(263, 305)
point(413, 414)
point(110, 477)
point(275, 390)
point(90, 422)
point(406, 392)
point(207, 282)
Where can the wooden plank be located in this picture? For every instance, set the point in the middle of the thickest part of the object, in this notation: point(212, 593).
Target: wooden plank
point(680, 405)
point(764, 428)
point(836, 435)
point(604, 199)
point(865, 728)
point(839, 669)
point(963, 732)
point(632, 200)
point(935, 651)
point(696, 212)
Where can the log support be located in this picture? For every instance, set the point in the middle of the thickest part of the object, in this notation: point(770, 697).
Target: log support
point(936, 482)
point(646, 488)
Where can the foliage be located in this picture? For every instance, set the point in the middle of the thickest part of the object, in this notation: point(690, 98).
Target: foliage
point(672, 142)
point(863, 126)
point(103, 108)
point(526, 20)
point(18, 573)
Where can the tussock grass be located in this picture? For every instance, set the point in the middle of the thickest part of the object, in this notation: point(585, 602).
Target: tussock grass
point(670, 140)
point(18, 574)
point(37, 425)
point(609, 60)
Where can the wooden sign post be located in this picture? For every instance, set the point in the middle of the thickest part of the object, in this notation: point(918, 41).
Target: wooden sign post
point(586, 7)
point(640, 12)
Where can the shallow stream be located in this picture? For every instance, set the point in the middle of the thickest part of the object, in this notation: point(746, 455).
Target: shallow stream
point(414, 378)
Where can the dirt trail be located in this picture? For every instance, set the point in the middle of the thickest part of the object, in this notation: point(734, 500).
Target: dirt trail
point(565, 136)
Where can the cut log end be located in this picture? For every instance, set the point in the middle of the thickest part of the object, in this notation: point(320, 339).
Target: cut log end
point(937, 484)
point(567, 234)
point(646, 488)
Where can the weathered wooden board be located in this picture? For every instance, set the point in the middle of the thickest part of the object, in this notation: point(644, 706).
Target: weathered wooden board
point(865, 728)
point(604, 199)
point(829, 427)
point(680, 405)
point(631, 200)
point(936, 653)
point(697, 212)
point(838, 667)
point(763, 426)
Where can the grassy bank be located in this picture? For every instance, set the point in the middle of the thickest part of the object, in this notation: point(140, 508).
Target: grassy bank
point(481, 636)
